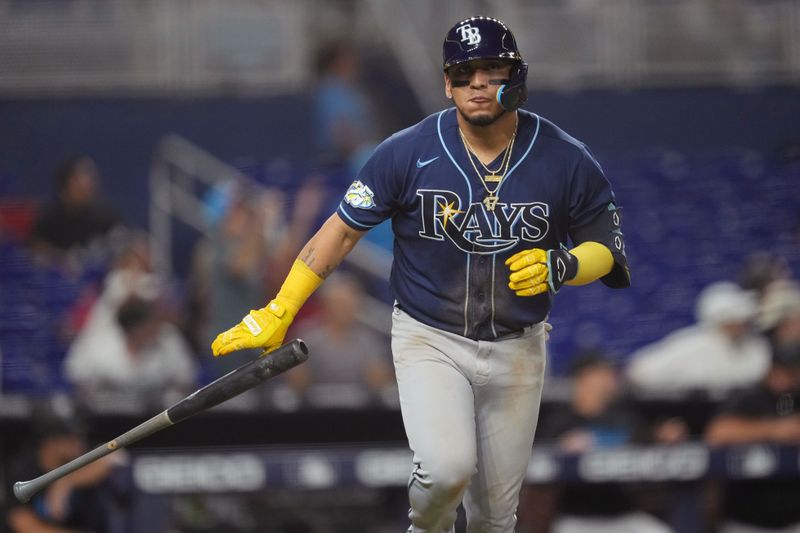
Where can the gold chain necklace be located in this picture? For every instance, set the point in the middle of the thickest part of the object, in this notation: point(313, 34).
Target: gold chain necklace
point(492, 176)
point(491, 201)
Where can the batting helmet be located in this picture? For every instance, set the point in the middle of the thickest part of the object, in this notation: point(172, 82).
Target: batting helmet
point(488, 38)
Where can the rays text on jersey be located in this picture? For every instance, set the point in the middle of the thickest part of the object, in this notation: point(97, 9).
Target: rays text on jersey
point(474, 229)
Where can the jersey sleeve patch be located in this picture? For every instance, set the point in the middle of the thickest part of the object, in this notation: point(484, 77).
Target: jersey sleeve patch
point(360, 196)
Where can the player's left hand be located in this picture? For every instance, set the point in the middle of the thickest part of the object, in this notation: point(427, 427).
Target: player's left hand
point(536, 271)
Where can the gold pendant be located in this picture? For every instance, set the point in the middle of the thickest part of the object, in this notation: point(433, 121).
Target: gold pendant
point(492, 178)
point(490, 202)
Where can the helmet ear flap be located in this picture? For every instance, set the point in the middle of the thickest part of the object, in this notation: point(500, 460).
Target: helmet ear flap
point(514, 93)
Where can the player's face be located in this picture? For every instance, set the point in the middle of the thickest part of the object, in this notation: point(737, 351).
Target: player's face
point(473, 87)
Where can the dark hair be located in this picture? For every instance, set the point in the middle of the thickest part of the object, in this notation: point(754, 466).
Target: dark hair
point(48, 424)
point(587, 360)
point(328, 53)
point(787, 354)
point(760, 269)
point(133, 312)
point(66, 170)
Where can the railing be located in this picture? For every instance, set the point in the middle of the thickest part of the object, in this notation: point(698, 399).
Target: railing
point(152, 46)
point(263, 46)
point(182, 172)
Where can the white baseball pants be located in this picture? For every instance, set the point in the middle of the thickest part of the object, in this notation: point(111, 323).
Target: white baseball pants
point(470, 410)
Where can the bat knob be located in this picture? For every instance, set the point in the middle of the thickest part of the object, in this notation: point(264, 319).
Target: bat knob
point(23, 491)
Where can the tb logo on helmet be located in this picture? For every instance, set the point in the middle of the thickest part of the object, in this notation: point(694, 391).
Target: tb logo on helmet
point(469, 34)
point(488, 38)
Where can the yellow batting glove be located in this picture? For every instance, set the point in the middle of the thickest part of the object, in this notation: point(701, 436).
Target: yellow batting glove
point(266, 328)
point(536, 271)
point(528, 272)
point(261, 328)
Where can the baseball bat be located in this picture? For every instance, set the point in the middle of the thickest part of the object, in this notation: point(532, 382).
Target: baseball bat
point(231, 384)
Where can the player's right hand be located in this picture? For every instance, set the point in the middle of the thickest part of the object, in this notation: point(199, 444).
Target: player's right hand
point(261, 328)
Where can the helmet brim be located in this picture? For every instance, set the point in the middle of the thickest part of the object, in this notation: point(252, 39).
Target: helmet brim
point(511, 56)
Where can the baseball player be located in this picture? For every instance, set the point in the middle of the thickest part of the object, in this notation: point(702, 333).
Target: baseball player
point(484, 200)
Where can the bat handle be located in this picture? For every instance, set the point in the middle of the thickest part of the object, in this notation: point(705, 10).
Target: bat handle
point(234, 383)
point(24, 490)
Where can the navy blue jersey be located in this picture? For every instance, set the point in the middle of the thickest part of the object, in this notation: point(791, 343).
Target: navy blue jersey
point(449, 249)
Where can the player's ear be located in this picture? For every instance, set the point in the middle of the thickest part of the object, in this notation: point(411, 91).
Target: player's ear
point(448, 87)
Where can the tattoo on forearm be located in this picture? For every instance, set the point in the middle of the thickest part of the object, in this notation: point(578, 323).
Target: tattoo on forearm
point(327, 271)
point(309, 257)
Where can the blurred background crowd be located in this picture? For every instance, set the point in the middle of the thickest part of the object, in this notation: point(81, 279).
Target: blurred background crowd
point(162, 162)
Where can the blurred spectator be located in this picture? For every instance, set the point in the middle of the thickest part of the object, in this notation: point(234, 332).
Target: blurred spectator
point(77, 217)
point(351, 366)
point(719, 353)
point(779, 315)
point(343, 119)
point(760, 270)
point(228, 267)
point(130, 273)
point(141, 357)
point(304, 220)
point(128, 348)
point(597, 417)
point(73, 503)
point(768, 412)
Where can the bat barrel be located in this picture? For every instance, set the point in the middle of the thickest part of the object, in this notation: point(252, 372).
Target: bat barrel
point(243, 378)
